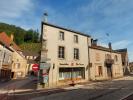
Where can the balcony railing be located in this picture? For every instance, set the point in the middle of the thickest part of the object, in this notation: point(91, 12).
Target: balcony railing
point(109, 61)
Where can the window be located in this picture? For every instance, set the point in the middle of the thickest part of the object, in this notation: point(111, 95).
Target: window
point(61, 35)
point(1, 55)
point(76, 53)
point(100, 73)
point(61, 52)
point(17, 65)
point(75, 38)
point(97, 57)
point(116, 58)
point(9, 59)
point(71, 73)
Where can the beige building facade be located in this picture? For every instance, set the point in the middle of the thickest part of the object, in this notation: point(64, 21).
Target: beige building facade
point(105, 63)
point(73, 59)
point(5, 62)
point(19, 65)
point(68, 54)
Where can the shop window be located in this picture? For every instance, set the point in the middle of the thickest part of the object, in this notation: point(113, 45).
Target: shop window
point(71, 73)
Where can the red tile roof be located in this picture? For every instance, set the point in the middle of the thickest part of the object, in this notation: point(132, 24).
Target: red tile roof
point(6, 40)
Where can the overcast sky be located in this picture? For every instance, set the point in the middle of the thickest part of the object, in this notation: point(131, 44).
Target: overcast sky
point(93, 17)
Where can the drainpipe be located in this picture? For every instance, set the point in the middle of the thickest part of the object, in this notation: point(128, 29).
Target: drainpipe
point(88, 60)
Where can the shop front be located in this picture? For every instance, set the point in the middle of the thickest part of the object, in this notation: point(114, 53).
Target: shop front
point(71, 74)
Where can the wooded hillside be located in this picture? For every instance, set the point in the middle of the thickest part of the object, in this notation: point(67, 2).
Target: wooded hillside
point(20, 35)
point(28, 40)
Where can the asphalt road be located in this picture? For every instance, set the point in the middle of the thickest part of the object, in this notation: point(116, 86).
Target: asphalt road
point(107, 90)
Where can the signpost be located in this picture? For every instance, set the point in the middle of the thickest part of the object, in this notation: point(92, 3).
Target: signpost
point(45, 70)
point(45, 65)
point(45, 79)
point(35, 67)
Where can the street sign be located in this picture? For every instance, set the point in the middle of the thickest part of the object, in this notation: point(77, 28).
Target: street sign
point(35, 67)
point(45, 79)
point(45, 65)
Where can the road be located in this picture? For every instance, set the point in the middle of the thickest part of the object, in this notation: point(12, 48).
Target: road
point(106, 90)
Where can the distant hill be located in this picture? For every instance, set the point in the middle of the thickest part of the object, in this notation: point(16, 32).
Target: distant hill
point(28, 40)
point(33, 47)
point(20, 35)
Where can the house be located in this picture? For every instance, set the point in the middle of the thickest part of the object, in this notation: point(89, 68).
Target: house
point(32, 58)
point(105, 63)
point(125, 60)
point(18, 65)
point(66, 53)
point(5, 60)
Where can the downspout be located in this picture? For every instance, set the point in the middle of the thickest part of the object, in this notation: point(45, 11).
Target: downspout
point(88, 60)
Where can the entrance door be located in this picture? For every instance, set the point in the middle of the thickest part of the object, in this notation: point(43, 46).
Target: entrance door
point(12, 74)
point(109, 72)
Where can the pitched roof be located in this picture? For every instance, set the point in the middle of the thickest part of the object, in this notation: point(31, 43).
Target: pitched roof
point(122, 50)
point(6, 40)
point(67, 29)
point(29, 53)
point(103, 48)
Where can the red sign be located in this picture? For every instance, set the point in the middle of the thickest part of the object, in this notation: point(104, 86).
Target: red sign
point(35, 67)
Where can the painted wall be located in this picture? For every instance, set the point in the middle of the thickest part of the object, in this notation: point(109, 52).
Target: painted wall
point(52, 36)
point(22, 69)
point(97, 58)
point(8, 57)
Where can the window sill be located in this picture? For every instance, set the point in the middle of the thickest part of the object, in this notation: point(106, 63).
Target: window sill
point(76, 59)
point(61, 58)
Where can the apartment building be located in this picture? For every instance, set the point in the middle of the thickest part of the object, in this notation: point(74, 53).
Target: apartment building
point(105, 63)
point(68, 54)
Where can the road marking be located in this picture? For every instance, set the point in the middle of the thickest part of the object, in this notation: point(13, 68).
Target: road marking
point(126, 96)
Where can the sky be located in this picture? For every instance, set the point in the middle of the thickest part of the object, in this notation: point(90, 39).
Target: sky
point(94, 17)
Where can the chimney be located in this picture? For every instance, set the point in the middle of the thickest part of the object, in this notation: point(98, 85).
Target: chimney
point(11, 37)
point(45, 17)
point(110, 46)
point(95, 42)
